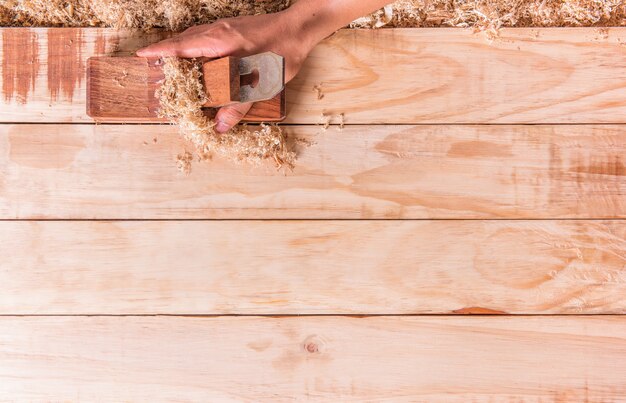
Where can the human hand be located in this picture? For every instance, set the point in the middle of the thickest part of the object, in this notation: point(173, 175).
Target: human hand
point(240, 36)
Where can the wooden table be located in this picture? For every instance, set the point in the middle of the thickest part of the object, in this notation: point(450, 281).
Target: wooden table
point(472, 177)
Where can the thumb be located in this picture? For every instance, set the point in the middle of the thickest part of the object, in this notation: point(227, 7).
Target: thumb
point(228, 116)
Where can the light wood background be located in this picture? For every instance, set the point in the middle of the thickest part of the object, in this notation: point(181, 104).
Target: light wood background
point(443, 171)
point(312, 267)
point(405, 359)
point(461, 239)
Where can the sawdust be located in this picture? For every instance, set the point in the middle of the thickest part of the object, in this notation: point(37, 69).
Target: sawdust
point(6, 15)
point(342, 120)
point(179, 14)
point(182, 96)
point(491, 15)
point(318, 90)
point(172, 15)
point(183, 162)
point(325, 121)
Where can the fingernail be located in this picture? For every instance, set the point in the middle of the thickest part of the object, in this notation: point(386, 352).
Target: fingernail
point(222, 127)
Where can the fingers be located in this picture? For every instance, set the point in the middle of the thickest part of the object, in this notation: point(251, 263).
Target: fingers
point(185, 46)
point(229, 116)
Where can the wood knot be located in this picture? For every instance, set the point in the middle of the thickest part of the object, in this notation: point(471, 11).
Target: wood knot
point(313, 345)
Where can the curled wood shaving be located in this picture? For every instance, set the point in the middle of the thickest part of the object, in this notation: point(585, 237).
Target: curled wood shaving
point(491, 15)
point(182, 95)
point(325, 121)
point(183, 162)
point(143, 14)
point(176, 15)
point(318, 90)
point(6, 15)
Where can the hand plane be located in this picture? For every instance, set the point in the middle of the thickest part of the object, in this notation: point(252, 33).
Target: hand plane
point(123, 89)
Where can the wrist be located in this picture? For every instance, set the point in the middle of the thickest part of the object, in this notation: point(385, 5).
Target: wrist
point(309, 22)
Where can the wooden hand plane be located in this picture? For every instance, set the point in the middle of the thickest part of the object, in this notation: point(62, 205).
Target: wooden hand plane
point(123, 89)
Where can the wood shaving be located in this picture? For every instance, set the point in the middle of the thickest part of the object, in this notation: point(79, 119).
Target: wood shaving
point(176, 15)
point(603, 33)
point(182, 95)
point(325, 121)
point(318, 89)
point(183, 162)
point(491, 15)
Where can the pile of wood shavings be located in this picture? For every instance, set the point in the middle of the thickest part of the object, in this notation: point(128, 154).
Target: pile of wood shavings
point(174, 15)
point(182, 95)
point(491, 15)
point(483, 15)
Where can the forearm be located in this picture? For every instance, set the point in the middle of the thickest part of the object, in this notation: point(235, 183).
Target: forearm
point(317, 19)
point(291, 33)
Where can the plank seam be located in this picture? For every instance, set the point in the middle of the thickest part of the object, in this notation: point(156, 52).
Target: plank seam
point(300, 219)
point(338, 315)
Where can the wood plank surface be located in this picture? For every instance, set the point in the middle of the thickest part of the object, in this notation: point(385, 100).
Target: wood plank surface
point(508, 267)
point(44, 69)
point(119, 172)
point(400, 359)
point(547, 75)
point(313, 267)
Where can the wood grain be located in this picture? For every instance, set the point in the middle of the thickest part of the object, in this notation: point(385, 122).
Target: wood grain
point(123, 89)
point(407, 76)
point(547, 75)
point(400, 359)
point(119, 172)
point(49, 67)
point(313, 267)
point(222, 81)
point(558, 75)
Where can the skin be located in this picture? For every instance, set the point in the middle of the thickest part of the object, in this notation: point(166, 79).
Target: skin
point(291, 33)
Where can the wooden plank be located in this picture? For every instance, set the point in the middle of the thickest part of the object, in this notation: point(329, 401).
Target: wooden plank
point(313, 267)
point(547, 75)
point(424, 359)
point(123, 89)
point(558, 75)
point(119, 172)
point(44, 69)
